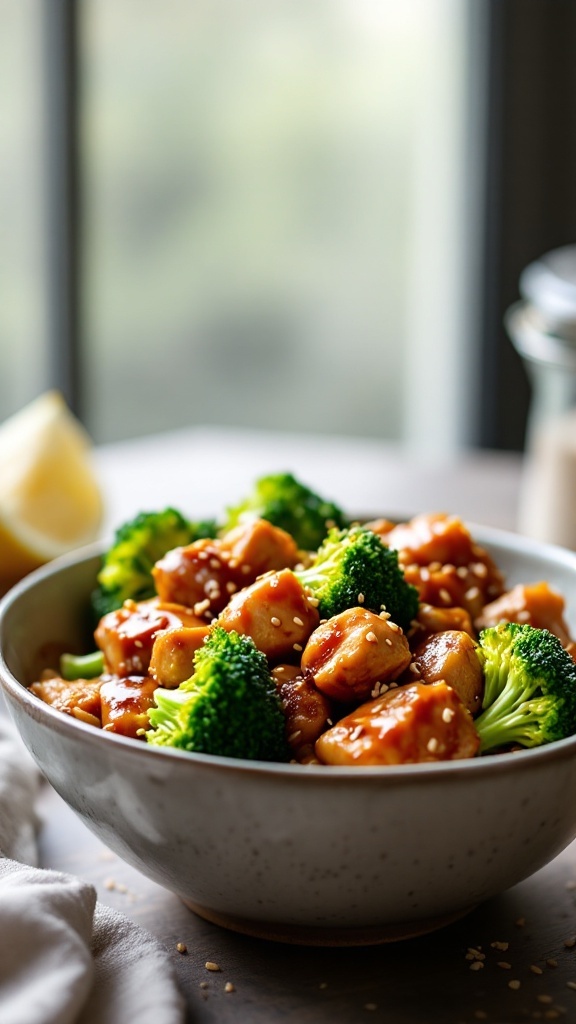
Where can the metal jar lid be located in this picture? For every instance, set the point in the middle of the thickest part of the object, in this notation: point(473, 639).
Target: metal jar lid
point(543, 325)
point(549, 285)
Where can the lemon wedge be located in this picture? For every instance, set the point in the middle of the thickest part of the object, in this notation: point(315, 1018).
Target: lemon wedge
point(50, 498)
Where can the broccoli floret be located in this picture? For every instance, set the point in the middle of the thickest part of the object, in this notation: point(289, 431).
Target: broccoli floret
point(229, 706)
point(353, 567)
point(126, 570)
point(530, 687)
point(289, 504)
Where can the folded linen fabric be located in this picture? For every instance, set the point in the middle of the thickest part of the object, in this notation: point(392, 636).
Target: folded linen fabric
point(64, 957)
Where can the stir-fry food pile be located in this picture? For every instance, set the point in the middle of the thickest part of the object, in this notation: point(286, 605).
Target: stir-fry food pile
point(286, 632)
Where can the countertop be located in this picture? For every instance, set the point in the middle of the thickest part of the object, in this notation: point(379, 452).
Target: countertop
point(419, 981)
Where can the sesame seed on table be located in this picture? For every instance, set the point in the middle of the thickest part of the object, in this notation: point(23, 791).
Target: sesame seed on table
point(513, 958)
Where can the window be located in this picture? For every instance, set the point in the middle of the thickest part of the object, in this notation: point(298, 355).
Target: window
point(293, 215)
point(23, 339)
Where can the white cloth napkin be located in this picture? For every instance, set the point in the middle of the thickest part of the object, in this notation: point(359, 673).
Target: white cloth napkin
point(64, 957)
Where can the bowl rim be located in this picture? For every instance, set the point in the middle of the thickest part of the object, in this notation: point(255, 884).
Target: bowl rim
point(67, 726)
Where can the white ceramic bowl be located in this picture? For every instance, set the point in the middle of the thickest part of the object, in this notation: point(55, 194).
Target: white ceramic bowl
point(297, 853)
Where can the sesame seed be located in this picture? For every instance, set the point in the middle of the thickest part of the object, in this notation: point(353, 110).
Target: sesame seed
point(477, 965)
point(504, 965)
point(387, 641)
point(181, 947)
point(297, 621)
point(313, 601)
point(275, 621)
point(229, 987)
point(571, 942)
point(394, 627)
point(424, 574)
point(480, 569)
point(413, 668)
point(500, 945)
point(552, 963)
point(201, 606)
point(371, 637)
point(211, 966)
point(435, 566)
point(514, 984)
point(231, 587)
point(448, 714)
point(432, 745)
point(214, 563)
point(360, 598)
point(535, 969)
point(462, 571)
point(444, 595)
point(245, 569)
point(472, 594)
point(545, 999)
point(297, 647)
point(572, 985)
point(203, 984)
point(294, 736)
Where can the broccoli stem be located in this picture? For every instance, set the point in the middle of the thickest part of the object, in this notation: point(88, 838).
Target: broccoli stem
point(498, 726)
point(81, 666)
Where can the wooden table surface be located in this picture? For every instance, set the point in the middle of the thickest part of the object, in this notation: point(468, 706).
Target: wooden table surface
point(424, 980)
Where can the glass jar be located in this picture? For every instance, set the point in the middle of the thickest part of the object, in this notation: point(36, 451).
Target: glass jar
point(542, 327)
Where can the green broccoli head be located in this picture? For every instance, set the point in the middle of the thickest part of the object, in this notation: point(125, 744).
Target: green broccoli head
point(228, 707)
point(353, 567)
point(289, 504)
point(529, 687)
point(126, 570)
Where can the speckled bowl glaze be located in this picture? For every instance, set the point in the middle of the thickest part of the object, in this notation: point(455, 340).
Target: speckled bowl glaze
point(306, 854)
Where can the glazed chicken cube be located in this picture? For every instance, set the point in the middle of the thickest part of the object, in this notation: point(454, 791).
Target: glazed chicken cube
point(257, 547)
point(535, 603)
point(79, 697)
point(432, 619)
point(275, 612)
point(451, 656)
point(172, 660)
point(125, 704)
point(198, 576)
point(308, 712)
point(126, 636)
point(352, 652)
point(441, 559)
point(407, 725)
